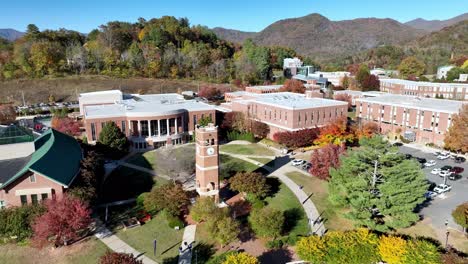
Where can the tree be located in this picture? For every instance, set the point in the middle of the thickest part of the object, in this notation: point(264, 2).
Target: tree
point(370, 83)
point(259, 129)
point(7, 114)
point(460, 215)
point(392, 249)
point(336, 133)
point(66, 125)
point(252, 183)
point(456, 139)
point(267, 222)
point(240, 258)
point(204, 121)
point(203, 209)
point(210, 92)
point(312, 249)
point(170, 197)
point(344, 98)
point(222, 227)
point(62, 222)
point(87, 183)
point(454, 73)
point(421, 251)
point(293, 86)
point(113, 139)
point(411, 66)
point(368, 130)
point(119, 258)
point(17, 221)
point(297, 139)
point(362, 74)
point(379, 186)
point(323, 159)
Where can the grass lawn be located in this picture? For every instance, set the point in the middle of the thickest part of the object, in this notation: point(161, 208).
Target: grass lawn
point(261, 160)
point(285, 200)
point(87, 251)
point(141, 238)
point(125, 183)
point(319, 189)
point(251, 149)
point(230, 166)
point(145, 159)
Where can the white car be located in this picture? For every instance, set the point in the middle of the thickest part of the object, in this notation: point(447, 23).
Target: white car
point(443, 157)
point(442, 188)
point(430, 163)
point(445, 173)
point(298, 162)
point(436, 171)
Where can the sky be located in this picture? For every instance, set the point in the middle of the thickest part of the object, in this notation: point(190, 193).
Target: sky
point(246, 15)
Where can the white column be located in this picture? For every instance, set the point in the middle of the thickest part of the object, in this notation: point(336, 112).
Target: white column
point(130, 128)
point(149, 128)
point(168, 130)
point(159, 127)
point(139, 128)
point(176, 130)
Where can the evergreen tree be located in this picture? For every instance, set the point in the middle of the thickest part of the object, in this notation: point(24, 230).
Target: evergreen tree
point(113, 139)
point(379, 185)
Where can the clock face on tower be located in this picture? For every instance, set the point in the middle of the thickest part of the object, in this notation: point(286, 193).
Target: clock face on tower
point(210, 151)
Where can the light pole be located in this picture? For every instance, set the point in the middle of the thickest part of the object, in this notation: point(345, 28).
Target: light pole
point(447, 233)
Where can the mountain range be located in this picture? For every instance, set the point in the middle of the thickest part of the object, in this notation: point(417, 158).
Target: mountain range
point(435, 25)
point(10, 34)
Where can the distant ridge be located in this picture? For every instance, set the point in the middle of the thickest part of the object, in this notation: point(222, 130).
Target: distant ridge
point(435, 25)
point(10, 34)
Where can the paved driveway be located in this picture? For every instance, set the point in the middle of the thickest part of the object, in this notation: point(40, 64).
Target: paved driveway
point(440, 208)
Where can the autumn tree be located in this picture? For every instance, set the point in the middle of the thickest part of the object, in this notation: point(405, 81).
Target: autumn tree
point(252, 183)
point(293, 86)
point(87, 183)
point(336, 133)
point(66, 125)
point(7, 114)
point(267, 222)
point(368, 130)
point(222, 227)
point(344, 98)
point(240, 258)
point(210, 92)
point(323, 159)
point(62, 222)
point(296, 139)
point(411, 66)
point(203, 209)
point(170, 197)
point(460, 215)
point(362, 74)
point(392, 249)
point(312, 249)
point(456, 138)
point(370, 83)
point(119, 258)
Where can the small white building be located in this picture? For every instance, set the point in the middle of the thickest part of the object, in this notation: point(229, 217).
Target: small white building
point(291, 63)
point(442, 71)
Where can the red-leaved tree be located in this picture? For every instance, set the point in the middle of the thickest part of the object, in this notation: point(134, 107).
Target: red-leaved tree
point(296, 139)
point(345, 98)
point(293, 86)
point(324, 158)
point(210, 92)
point(62, 223)
point(367, 130)
point(371, 83)
point(336, 133)
point(66, 125)
point(119, 258)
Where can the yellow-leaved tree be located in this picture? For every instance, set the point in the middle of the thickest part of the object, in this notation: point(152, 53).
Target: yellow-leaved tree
point(240, 258)
point(311, 248)
point(392, 249)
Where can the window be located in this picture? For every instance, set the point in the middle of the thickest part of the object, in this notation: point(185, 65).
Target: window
point(123, 127)
point(24, 199)
point(34, 198)
point(93, 132)
point(103, 124)
point(194, 121)
point(2, 204)
point(44, 196)
point(32, 178)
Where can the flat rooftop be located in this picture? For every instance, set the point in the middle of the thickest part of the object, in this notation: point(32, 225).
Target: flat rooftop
point(422, 103)
point(10, 167)
point(266, 87)
point(408, 82)
point(146, 105)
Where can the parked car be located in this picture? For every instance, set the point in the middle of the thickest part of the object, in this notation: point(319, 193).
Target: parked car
point(437, 153)
point(436, 171)
point(445, 173)
point(430, 195)
point(408, 156)
point(457, 170)
point(443, 157)
point(446, 168)
point(460, 159)
point(306, 166)
point(455, 177)
point(442, 188)
point(298, 162)
point(430, 163)
point(421, 160)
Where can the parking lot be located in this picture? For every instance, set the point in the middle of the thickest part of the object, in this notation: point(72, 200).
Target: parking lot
point(440, 208)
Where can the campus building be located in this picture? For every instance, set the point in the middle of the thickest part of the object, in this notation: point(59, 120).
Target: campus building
point(207, 161)
point(426, 120)
point(457, 91)
point(36, 169)
point(285, 111)
point(358, 94)
point(149, 121)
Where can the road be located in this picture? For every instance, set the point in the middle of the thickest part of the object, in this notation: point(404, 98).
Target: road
point(440, 208)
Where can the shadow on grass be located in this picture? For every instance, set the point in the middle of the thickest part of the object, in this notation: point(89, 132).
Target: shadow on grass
point(275, 256)
point(274, 185)
point(125, 183)
point(202, 252)
point(292, 217)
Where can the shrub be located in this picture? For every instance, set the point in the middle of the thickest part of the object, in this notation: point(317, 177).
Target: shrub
point(275, 244)
point(240, 258)
point(174, 221)
point(140, 200)
point(267, 222)
point(118, 258)
point(236, 135)
point(17, 221)
point(170, 197)
point(203, 209)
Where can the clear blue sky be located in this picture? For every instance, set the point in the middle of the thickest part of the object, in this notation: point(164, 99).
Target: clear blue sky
point(247, 15)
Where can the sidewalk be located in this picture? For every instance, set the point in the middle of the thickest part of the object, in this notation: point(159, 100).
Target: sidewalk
point(117, 245)
point(185, 256)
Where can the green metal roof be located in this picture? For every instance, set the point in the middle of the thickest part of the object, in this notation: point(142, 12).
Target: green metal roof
point(57, 157)
point(15, 134)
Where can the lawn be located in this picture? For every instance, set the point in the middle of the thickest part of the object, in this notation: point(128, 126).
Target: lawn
point(250, 149)
point(87, 251)
point(230, 166)
point(143, 159)
point(285, 200)
point(125, 183)
point(168, 239)
point(261, 160)
point(319, 190)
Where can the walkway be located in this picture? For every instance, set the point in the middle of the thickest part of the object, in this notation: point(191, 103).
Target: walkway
point(117, 245)
point(185, 256)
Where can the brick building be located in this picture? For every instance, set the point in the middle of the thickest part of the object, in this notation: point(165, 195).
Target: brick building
point(428, 119)
point(458, 91)
point(45, 172)
point(149, 121)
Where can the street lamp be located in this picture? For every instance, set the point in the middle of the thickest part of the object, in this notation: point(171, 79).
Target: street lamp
point(447, 233)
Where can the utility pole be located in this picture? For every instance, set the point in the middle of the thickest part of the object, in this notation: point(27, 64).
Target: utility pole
point(22, 94)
